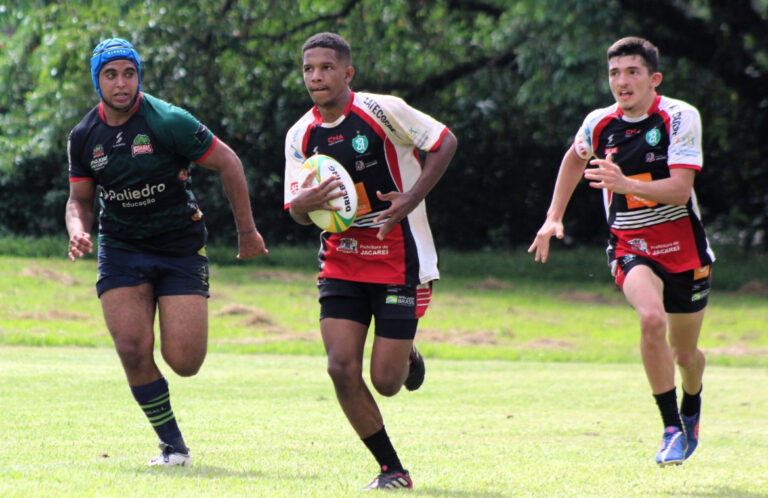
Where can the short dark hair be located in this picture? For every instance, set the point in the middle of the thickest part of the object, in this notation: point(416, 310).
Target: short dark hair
point(329, 40)
point(633, 45)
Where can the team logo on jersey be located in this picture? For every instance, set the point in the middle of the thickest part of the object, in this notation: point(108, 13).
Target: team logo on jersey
point(360, 144)
point(141, 145)
point(183, 174)
point(348, 245)
point(638, 245)
point(653, 137)
point(118, 140)
point(99, 160)
point(197, 215)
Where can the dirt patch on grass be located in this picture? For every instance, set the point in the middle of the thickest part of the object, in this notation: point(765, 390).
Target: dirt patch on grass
point(54, 315)
point(587, 297)
point(253, 316)
point(491, 283)
point(47, 274)
point(754, 287)
point(548, 343)
point(460, 337)
point(282, 275)
point(736, 350)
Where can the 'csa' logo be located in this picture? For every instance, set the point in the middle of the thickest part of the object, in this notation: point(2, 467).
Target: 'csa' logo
point(360, 143)
point(141, 145)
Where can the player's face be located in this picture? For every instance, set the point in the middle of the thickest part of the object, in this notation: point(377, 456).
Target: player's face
point(327, 79)
point(119, 83)
point(632, 85)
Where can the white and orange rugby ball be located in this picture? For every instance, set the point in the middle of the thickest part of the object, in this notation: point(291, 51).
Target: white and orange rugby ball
point(325, 167)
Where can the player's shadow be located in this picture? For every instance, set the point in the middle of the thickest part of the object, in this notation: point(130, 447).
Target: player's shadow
point(454, 493)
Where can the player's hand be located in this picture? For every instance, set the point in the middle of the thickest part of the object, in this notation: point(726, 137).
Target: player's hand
point(401, 204)
point(314, 197)
point(541, 242)
point(79, 244)
point(251, 245)
point(606, 175)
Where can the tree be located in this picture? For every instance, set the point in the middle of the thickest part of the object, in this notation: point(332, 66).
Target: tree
point(513, 80)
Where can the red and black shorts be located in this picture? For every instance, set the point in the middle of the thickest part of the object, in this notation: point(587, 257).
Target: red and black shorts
point(685, 292)
point(397, 308)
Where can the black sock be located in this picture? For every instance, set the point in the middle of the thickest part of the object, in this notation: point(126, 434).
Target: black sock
point(691, 404)
point(667, 403)
point(381, 447)
point(155, 400)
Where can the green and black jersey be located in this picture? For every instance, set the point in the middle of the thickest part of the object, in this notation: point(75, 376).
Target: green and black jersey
point(142, 171)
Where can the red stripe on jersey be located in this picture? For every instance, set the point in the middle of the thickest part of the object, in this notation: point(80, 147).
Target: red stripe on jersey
point(685, 166)
point(316, 122)
point(602, 124)
point(208, 152)
point(389, 148)
point(439, 140)
point(79, 179)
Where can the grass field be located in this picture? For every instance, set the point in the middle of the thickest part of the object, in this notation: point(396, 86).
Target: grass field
point(534, 388)
point(267, 425)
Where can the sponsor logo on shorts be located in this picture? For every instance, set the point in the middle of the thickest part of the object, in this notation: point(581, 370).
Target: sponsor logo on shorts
point(141, 145)
point(702, 272)
point(400, 300)
point(698, 296)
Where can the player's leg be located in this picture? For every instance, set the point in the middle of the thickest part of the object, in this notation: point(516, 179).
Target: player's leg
point(183, 332)
point(129, 314)
point(644, 291)
point(684, 329)
point(344, 342)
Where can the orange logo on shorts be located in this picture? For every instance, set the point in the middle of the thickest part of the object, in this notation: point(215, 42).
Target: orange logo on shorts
point(702, 272)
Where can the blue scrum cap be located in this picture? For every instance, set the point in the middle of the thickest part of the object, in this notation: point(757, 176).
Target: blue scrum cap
point(109, 50)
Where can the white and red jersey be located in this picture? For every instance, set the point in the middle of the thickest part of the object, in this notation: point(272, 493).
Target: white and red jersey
point(646, 149)
point(377, 140)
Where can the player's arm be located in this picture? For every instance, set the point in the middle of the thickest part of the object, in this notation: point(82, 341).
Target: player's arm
point(569, 175)
point(675, 190)
point(224, 160)
point(402, 203)
point(312, 198)
point(78, 217)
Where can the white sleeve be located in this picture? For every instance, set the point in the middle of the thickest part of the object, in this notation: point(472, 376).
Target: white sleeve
point(685, 138)
point(402, 123)
point(583, 142)
point(294, 159)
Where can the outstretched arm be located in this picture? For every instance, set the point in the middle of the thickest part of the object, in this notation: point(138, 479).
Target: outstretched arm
point(225, 161)
point(571, 170)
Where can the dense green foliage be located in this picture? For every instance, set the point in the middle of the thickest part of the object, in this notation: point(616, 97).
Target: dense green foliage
point(513, 80)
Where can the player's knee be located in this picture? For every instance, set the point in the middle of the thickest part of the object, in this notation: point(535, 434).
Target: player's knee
point(344, 373)
point(653, 324)
point(184, 365)
point(133, 353)
point(387, 386)
point(687, 358)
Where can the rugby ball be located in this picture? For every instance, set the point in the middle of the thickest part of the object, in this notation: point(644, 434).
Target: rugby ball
point(325, 167)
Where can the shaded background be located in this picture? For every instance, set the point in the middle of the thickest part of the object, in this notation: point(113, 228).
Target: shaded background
point(512, 79)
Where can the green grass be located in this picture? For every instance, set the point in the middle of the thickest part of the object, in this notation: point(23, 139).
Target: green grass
point(265, 425)
point(268, 306)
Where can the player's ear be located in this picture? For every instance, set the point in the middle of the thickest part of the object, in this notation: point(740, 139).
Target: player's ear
point(656, 79)
point(349, 74)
